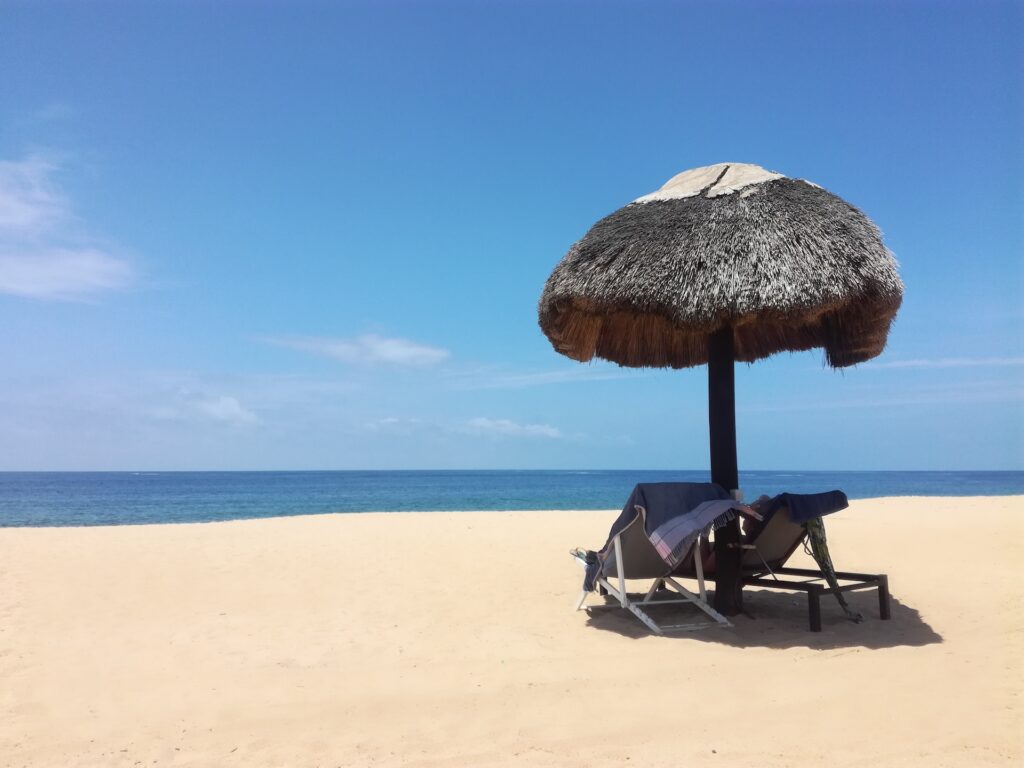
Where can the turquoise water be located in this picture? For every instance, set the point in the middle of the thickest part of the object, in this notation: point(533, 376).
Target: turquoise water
point(118, 498)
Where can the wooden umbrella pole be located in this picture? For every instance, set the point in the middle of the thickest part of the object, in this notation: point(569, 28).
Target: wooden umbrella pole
point(724, 469)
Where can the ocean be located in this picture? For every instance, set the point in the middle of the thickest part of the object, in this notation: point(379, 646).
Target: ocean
point(128, 498)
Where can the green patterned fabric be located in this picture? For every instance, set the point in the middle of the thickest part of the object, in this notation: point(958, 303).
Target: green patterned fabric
point(819, 550)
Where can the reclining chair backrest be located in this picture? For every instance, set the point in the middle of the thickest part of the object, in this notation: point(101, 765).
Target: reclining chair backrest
point(641, 558)
point(775, 539)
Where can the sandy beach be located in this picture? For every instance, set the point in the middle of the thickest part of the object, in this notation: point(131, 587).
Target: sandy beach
point(448, 639)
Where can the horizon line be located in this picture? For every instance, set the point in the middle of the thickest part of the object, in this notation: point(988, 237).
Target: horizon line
point(567, 470)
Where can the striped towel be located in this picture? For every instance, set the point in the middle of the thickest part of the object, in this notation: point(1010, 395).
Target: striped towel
point(674, 538)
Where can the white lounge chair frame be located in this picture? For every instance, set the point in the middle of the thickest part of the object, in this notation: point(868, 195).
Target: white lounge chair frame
point(618, 591)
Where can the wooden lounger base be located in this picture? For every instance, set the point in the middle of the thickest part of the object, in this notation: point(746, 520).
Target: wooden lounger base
point(815, 590)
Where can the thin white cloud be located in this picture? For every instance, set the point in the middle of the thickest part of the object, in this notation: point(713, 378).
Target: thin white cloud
point(956, 396)
point(60, 273)
point(491, 379)
point(226, 409)
point(184, 404)
point(506, 427)
point(29, 199)
point(138, 398)
point(42, 253)
point(368, 349)
point(480, 426)
point(53, 112)
point(394, 424)
point(951, 362)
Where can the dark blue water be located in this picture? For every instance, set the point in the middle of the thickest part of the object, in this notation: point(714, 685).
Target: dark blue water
point(117, 498)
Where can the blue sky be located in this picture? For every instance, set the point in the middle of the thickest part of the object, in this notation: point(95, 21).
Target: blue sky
point(313, 235)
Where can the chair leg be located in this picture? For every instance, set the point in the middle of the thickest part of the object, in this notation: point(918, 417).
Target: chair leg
point(647, 620)
point(650, 593)
point(700, 603)
point(883, 598)
point(814, 607)
point(583, 599)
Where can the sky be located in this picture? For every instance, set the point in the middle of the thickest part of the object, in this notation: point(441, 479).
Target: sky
point(313, 235)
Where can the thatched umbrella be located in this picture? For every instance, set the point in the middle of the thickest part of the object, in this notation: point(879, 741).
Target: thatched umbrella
point(726, 262)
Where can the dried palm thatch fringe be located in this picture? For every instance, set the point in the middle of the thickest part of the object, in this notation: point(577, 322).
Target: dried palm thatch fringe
point(787, 264)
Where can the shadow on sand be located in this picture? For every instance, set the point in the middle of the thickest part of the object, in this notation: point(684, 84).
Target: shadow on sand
point(779, 620)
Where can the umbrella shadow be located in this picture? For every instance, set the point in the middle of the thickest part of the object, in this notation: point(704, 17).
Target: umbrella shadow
point(774, 619)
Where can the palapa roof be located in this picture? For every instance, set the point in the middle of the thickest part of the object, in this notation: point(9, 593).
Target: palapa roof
point(787, 264)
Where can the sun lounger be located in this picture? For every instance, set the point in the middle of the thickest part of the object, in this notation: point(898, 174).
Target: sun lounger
point(768, 544)
point(655, 536)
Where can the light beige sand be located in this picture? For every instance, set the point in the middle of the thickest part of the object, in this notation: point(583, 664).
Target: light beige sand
point(448, 640)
